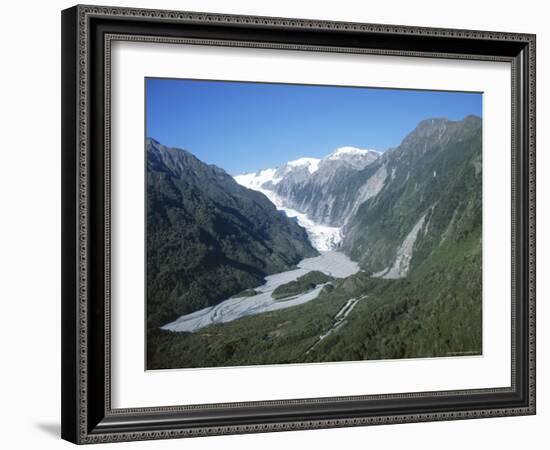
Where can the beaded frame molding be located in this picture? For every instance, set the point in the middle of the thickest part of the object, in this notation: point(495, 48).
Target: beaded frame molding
point(87, 35)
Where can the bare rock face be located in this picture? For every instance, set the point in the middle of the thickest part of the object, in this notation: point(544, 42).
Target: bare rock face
point(429, 186)
point(310, 185)
point(432, 190)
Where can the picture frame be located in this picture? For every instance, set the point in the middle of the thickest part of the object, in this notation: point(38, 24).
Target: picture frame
point(88, 33)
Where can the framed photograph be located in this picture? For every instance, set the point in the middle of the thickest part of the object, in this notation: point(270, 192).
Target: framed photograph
point(277, 224)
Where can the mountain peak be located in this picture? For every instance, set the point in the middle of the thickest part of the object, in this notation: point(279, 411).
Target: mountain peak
point(342, 152)
point(438, 128)
point(312, 164)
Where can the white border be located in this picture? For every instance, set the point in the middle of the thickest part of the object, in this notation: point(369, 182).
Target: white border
point(132, 386)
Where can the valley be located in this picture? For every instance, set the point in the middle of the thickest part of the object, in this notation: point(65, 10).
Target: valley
point(398, 232)
point(322, 237)
point(331, 263)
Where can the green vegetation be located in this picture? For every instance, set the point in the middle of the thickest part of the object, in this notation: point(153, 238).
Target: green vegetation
point(301, 285)
point(435, 174)
point(434, 312)
point(207, 236)
point(246, 293)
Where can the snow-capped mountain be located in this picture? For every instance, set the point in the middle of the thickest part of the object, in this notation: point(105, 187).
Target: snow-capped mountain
point(322, 237)
point(343, 152)
point(271, 177)
point(303, 168)
point(256, 180)
point(307, 184)
point(383, 209)
point(280, 185)
point(356, 157)
point(413, 212)
point(311, 164)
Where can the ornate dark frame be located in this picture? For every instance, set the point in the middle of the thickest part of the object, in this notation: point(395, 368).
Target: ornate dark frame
point(87, 33)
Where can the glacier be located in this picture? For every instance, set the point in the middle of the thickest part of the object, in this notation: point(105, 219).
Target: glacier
point(323, 237)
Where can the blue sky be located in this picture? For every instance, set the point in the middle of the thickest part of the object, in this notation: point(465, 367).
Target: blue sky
point(242, 127)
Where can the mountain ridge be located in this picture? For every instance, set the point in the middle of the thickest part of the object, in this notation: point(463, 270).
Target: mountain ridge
point(207, 236)
point(411, 218)
point(380, 203)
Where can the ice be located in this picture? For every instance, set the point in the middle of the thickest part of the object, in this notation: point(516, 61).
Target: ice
point(322, 237)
